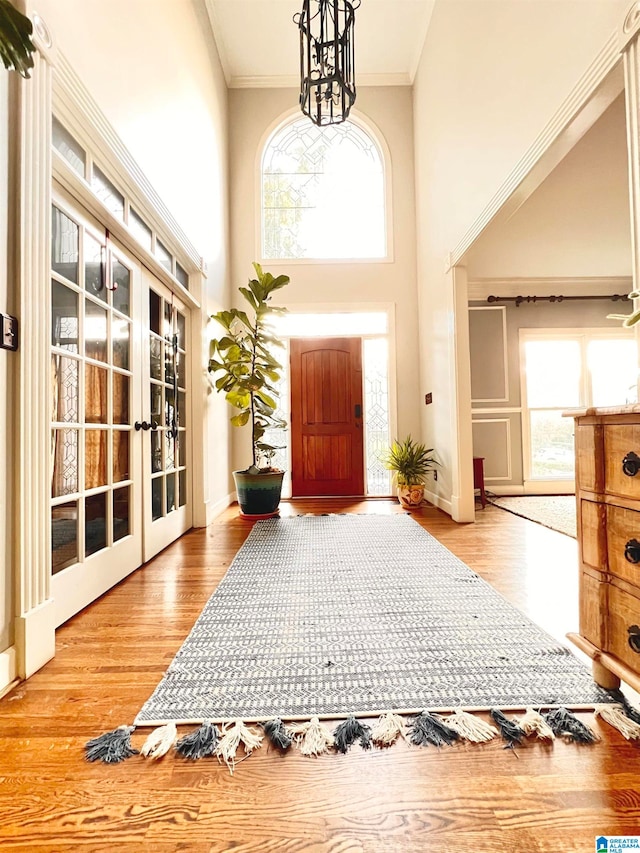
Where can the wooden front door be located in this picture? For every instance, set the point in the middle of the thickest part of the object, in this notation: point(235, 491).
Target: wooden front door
point(327, 446)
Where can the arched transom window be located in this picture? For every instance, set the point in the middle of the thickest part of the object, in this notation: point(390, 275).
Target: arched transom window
point(323, 193)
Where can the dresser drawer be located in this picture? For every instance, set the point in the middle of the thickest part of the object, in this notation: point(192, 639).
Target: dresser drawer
point(622, 460)
point(623, 544)
point(623, 627)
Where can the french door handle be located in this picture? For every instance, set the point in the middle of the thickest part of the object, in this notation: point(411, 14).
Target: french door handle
point(144, 425)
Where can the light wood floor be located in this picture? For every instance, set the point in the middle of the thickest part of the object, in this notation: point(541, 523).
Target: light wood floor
point(459, 800)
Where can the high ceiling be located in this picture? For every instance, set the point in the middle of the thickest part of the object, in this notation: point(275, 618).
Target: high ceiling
point(258, 42)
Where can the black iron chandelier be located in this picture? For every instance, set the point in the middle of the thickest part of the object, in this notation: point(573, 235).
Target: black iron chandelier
point(327, 66)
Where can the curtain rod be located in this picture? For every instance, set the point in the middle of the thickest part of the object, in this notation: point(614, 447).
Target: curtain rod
point(616, 297)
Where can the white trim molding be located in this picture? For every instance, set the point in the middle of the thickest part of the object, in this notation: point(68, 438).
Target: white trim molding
point(8, 669)
point(34, 629)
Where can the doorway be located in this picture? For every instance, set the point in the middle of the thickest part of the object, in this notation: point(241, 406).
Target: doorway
point(327, 443)
point(118, 400)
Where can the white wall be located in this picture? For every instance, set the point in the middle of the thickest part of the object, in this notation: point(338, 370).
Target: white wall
point(576, 223)
point(6, 421)
point(154, 71)
point(252, 112)
point(492, 74)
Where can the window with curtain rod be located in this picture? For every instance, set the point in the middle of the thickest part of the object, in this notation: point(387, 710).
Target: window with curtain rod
point(518, 300)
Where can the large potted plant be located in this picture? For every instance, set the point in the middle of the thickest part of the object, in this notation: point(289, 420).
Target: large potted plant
point(411, 462)
point(249, 373)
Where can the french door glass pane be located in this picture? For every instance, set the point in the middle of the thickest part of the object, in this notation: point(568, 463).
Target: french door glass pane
point(553, 373)
point(64, 245)
point(64, 452)
point(121, 513)
point(95, 458)
point(95, 331)
point(95, 523)
point(64, 317)
point(156, 498)
point(64, 386)
point(64, 536)
point(95, 403)
point(94, 267)
point(552, 447)
point(613, 367)
point(121, 332)
point(121, 456)
point(121, 287)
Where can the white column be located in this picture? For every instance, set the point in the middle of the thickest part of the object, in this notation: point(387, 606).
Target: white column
point(35, 630)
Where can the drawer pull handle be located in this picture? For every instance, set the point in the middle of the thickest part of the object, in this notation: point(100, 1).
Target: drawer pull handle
point(634, 638)
point(632, 551)
point(631, 464)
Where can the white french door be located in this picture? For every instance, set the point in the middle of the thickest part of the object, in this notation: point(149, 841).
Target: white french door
point(119, 485)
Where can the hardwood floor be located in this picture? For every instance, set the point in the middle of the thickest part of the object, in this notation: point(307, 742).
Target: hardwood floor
point(404, 799)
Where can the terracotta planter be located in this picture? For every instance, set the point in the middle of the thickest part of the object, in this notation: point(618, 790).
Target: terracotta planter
point(258, 494)
point(411, 497)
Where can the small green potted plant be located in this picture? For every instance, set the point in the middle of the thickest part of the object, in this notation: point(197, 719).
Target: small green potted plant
point(249, 373)
point(411, 462)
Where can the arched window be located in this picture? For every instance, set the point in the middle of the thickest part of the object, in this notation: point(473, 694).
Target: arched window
point(323, 193)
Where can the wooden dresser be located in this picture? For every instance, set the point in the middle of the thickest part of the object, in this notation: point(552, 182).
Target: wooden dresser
point(608, 509)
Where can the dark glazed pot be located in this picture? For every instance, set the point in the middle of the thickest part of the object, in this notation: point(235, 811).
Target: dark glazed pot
point(258, 494)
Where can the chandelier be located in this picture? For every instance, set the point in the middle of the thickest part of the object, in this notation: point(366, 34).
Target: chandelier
point(327, 68)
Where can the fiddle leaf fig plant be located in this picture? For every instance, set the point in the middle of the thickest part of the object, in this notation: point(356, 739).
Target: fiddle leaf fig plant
point(16, 46)
point(249, 372)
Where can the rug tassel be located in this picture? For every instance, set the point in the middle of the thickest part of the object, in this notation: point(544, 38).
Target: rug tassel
point(388, 729)
point(347, 733)
point(199, 743)
point(425, 728)
point(111, 747)
point(568, 726)
point(534, 723)
point(278, 733)
point(234, 734)
point(616, 717)
point(312, 738)
point(160, 741)
point(629, 710)
point(470, 727)
point(510, 731)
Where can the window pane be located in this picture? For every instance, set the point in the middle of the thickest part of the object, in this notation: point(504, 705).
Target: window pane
point(94, 267)
point(182, 275)
point(552, 448)
point(163, 255)
point(553, 373)
point(95, 393)
point(121, 456)
point(95, 331)
point(95, 458)
point(64, 536)
point(64, 384)
point(140, 229)
point(64, 245)
point(64, 451)
point(107, 193)
point(121, 332)
point(120, 398)
point(156, 498)
point(64, 317)
point(613, 366)
point(95, 523)
point(323, 193)
point(171, 493)
point(121, 286)
point(66, 145)
point(121, 509)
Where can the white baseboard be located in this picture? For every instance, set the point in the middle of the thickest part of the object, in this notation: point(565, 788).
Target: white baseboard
point(533, 488)
point(35, 638)
point(8, 668)
point(217, 508)
point(439, 501)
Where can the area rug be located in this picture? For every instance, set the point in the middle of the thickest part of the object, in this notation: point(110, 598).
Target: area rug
point(555, 511)
point(359, 614)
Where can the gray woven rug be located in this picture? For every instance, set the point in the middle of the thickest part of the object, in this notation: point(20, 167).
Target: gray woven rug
point(555, 511)
point(332, 615)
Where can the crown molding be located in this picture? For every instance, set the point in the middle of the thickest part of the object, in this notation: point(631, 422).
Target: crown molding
point(481, 288)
